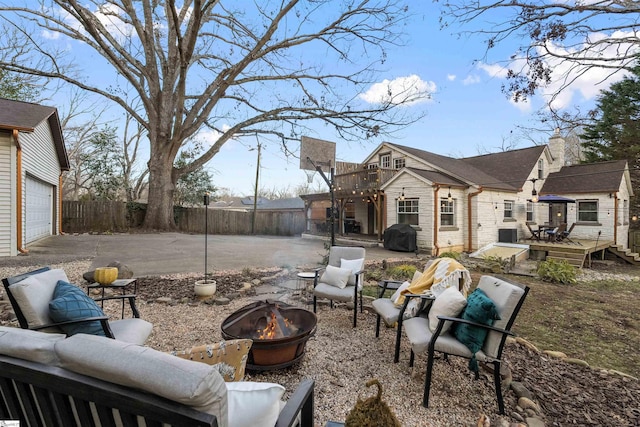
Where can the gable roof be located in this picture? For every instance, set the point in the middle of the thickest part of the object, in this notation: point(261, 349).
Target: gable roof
point(512, 167)
point(502, 171)
point(601, 177)
point(25, 116)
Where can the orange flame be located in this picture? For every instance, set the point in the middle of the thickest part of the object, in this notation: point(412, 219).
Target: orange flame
point(270, 330)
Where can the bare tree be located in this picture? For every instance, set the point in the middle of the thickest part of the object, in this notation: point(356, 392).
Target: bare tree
point(237, 68)
point(565, 38)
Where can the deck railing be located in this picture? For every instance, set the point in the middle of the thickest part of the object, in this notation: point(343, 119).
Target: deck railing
point(363, 180)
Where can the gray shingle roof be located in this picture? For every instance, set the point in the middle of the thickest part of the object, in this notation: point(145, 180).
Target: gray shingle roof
point(602, 177)
point(25, 116)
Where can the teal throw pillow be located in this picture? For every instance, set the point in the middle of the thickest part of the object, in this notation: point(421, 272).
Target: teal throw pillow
point(70, 303)
point(480, 309)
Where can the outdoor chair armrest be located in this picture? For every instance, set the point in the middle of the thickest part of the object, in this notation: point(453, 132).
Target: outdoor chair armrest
point(102, 319)
point(317, 275)
point(132, 302)
point(385, 283)
point(442, 319)
point(300, 402)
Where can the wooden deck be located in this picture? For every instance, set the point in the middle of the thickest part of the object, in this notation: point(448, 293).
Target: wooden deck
point(579, 253)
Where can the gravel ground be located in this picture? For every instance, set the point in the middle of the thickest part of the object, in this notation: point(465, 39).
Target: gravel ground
point(342, 359)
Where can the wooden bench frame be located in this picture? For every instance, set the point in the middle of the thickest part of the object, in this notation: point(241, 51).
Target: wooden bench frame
point(43, 395)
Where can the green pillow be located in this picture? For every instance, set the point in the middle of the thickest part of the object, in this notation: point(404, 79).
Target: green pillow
point(71, 303)
point(479, 309)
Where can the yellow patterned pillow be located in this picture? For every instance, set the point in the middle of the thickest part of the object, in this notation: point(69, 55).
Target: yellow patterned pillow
point(229, 356)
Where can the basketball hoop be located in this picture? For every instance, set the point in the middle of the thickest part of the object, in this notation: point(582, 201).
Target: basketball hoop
point(310, 175)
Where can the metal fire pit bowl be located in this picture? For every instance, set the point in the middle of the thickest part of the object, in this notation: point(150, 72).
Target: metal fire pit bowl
point(276, 353)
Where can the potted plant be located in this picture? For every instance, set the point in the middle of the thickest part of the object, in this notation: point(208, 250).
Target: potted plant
point(206, 287)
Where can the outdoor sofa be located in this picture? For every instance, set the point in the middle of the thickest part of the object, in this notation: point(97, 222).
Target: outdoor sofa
point(47, 379)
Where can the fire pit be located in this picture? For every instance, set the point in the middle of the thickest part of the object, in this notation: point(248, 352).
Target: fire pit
point(279, 332)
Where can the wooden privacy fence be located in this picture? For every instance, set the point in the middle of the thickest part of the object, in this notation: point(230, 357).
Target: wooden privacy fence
point(107, 216)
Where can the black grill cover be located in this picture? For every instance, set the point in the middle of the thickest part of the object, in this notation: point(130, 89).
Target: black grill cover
point(400, 237)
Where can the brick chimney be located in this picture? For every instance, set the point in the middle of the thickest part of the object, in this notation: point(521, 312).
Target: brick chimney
point(557, 148)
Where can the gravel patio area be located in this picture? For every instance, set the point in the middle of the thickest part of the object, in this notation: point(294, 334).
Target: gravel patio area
point(342, 359)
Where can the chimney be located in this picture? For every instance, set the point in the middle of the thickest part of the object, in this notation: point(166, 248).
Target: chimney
point(557, 148)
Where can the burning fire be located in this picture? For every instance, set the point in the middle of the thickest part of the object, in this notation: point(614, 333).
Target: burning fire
point(277, 327)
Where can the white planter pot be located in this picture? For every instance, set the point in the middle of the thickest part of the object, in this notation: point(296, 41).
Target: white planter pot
point(205, 288)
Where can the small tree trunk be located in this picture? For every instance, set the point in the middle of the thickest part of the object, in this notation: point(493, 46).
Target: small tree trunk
point(159, 214)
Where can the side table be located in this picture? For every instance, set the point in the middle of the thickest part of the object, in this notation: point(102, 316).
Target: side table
point(302, 284)
point(118, 284)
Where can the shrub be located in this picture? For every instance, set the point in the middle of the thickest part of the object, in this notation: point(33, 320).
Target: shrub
point(495, 264)
point(403, 271)
point(552, 270)
point(454, 255)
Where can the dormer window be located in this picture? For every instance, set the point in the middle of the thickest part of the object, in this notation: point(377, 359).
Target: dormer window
point(385, 161)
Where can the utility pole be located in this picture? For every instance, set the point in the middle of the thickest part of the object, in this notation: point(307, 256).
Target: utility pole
point(255, 193)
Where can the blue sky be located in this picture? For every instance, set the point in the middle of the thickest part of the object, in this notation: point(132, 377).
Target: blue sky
point(468, 114)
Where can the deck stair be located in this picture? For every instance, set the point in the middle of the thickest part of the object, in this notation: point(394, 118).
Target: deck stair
point(575, 256)
point(625, 254)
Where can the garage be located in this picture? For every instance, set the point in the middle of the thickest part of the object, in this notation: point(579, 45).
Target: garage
point(39, 211)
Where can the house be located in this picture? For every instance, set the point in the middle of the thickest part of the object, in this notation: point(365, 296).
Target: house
point(465, 204)
point(32, 159)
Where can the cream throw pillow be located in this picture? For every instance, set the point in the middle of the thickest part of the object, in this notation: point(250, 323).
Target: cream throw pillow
point(253, 404)
point(449, 303)
point(354, 265)
point(230, 357)
point(336, 276)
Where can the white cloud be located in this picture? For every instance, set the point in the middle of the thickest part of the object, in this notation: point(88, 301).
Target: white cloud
point(402, 90)
point(522, 105)
point(209, 136)
point(582, 80)
point(50, 35)
point(451, 77)
point(471, 80)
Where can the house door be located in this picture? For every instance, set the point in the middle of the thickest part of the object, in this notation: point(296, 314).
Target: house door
point(557, 213)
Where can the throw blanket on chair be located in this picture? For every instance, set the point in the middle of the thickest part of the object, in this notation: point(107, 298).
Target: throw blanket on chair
point(440, 275)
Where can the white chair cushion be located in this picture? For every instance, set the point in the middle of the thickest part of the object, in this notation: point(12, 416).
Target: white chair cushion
point(419, 335)
point(29, 345)
point(449, 303)
point(131, 330)
point(191, 383)
point(322, 290)
point(336, 276)
point(34, 293)
point(505, 296)
point(253, 404)
point(387, 310)
point(354, 265)
point(396, 294)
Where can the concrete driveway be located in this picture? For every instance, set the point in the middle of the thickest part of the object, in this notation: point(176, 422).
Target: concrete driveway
point(170, 253)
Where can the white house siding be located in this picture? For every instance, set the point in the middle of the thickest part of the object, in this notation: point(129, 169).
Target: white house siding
point(395, 154)
point(451, 238)
point(8, 242)
point(39, 160)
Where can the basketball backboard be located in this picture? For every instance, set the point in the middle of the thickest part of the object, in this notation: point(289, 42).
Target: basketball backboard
point(321, 153)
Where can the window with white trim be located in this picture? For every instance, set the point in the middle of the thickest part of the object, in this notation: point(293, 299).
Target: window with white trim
point(625, 212)
point(540, 169)
point(372, 166)
point(399, 163)
point(408, 211)
point(530, 212)
point(385, 161)
point(447, 212)
point(508, 209)
point(587, 210)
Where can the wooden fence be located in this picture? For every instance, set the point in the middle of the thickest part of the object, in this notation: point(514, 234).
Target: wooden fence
point(107, 216)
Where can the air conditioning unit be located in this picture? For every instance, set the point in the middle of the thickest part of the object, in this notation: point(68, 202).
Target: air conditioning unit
point(507, 235)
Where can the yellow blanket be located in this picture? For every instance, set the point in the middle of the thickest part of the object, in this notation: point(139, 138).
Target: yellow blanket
point(441, 274)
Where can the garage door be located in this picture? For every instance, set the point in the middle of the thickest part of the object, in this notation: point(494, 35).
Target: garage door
point(39, 213)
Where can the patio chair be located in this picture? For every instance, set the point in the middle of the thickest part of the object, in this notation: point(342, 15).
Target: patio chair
point(42, 303)
point(391, 311)
point(433, 333)
point(554, 235)
point(535, 234)
point(565, 235)
point(341, 279)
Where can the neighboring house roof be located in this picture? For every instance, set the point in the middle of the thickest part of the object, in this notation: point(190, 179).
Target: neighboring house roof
point(602, 177)
point(248, 201)
point(25, 116)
